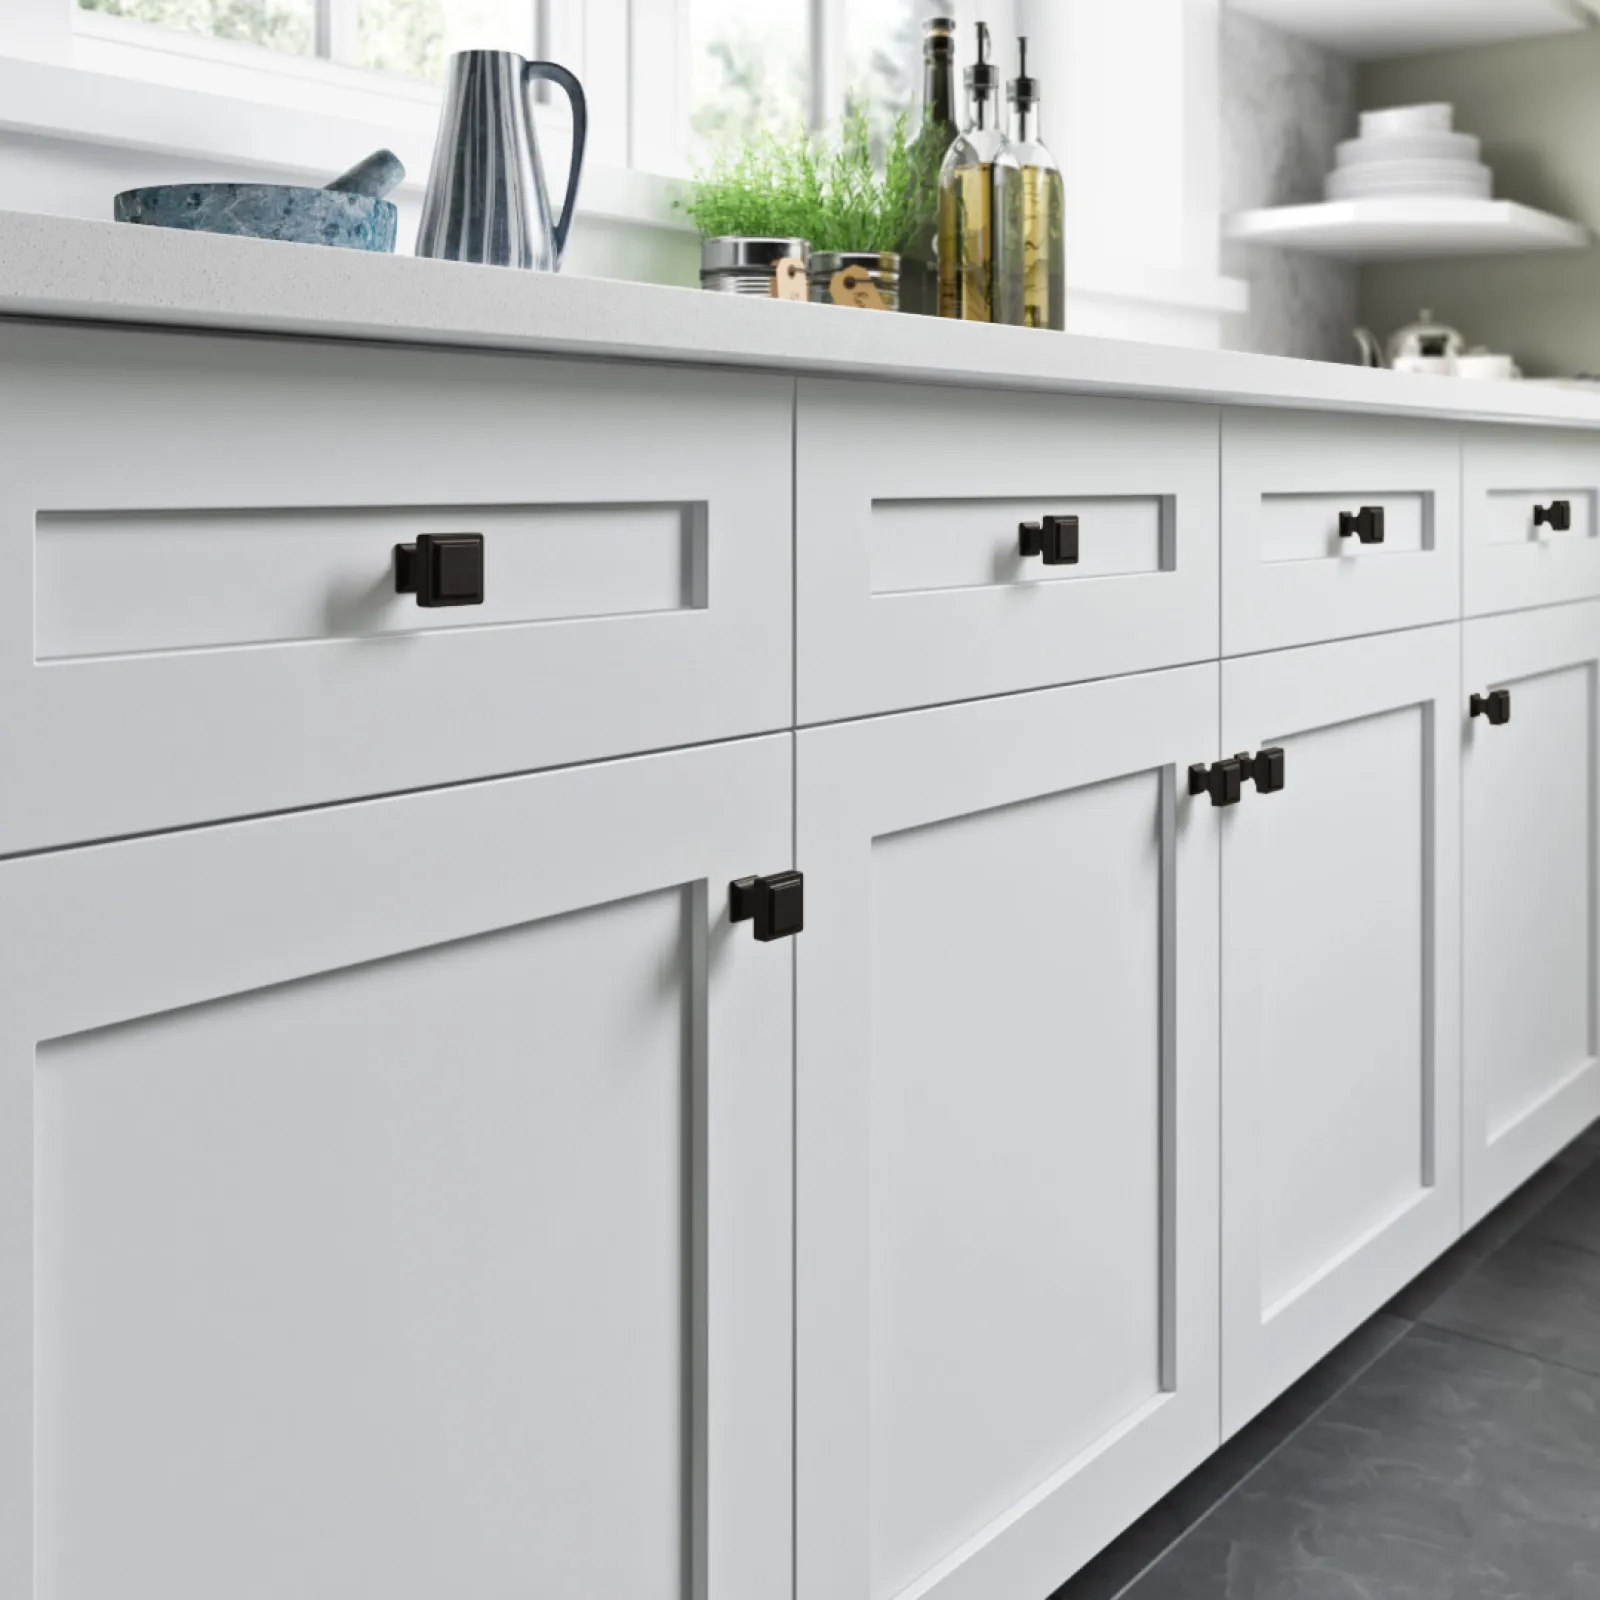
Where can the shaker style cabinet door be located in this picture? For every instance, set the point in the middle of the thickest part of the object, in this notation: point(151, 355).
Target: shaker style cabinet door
point(957, 543)
point(1341, 959)
point(1006, 1136)
point(206, 619)
point(1334, 526)
point(1530, 517)
point(395, 1199)
point(1529, 881)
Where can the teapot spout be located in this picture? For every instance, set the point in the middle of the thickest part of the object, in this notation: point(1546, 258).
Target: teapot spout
point(1371, 350)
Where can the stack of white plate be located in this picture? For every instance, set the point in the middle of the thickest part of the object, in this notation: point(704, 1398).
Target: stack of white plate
point(1409, 150)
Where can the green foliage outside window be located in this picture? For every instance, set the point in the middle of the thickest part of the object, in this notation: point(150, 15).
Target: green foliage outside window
point(286, 25)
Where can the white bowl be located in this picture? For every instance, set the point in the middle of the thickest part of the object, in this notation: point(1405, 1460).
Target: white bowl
point(1379, 179)
point(1435, 118)
point(1409, 147)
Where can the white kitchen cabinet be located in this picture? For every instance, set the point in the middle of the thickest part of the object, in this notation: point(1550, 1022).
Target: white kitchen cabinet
point(213, 629)
point(1530, 518)
point(1340, 997)
point(1529, 883)
point(1334, 526)
point(912, 585)
point(1006, 1125)
point(396, 1199)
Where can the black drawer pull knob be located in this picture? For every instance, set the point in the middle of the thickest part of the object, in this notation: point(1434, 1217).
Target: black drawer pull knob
point(1557, 515)
point(775, 904)
point(1366, 524)
point(1055, 538)
point(441, 569)
point(1222, 780)
point(1264, 769)
point(1496, 706)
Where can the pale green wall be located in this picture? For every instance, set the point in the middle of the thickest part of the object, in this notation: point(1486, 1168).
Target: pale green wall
point(1536, 106)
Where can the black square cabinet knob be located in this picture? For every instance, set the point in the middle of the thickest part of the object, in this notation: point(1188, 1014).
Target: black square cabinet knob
point(775, 904)
point(1496, 706)
point(441, 569)
point(1222, 780)
point(1557, 516)
point(1055, 539)
point(1366, 524)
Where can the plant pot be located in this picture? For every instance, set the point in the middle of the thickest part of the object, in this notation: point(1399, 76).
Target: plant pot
point(865, 278)
point(737, 265)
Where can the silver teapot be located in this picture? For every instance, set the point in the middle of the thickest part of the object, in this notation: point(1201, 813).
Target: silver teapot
point(1421, 346)
point(486, 199)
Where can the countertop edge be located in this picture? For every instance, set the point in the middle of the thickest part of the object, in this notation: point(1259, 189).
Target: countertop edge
point(67, 268)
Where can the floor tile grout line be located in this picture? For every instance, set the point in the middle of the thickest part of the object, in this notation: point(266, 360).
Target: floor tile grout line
point(1510, 1350)
point(1293, 1433)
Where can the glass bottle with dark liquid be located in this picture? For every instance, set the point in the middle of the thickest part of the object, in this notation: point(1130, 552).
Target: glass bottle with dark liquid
point(919, 256)
point(1035, 296)
point(977, 241)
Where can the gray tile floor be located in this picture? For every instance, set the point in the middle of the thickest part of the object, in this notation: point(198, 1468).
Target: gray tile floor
point(1448, 1450)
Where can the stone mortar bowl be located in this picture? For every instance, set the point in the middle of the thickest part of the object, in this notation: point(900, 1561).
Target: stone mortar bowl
point(349, 213)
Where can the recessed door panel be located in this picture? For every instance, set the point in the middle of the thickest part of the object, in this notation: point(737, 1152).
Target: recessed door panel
point(1006, 1135)
point(1529, 895)
point(207, 623)
point(380, 1219)
point(916, 582)
point(1340, 981)
point(1530, 530)
point(1334, 526)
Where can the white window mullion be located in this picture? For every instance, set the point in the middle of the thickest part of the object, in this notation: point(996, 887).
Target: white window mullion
point(827, 62)
point(658, 84)
point(338, 36)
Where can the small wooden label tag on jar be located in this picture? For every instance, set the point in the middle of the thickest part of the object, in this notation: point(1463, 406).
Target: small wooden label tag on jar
point(853, 286)
point(789, 278)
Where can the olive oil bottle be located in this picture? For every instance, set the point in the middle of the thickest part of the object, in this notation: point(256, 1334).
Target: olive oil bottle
point(919, 256)
point(975, 242)
point(1035, 293)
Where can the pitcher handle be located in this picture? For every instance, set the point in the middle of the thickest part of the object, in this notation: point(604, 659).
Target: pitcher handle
point(551, 73)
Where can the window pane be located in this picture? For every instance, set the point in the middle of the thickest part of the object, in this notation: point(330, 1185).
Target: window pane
point(416, 37)
point(749, 68)
point(277, 24)
point(883, 56)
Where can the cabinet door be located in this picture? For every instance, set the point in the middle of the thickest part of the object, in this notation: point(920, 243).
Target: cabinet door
point(1528, 895)
point(1531, 517)
point(1006, 1136)
point(204, 621)
point(1340, 997)
point(1300, 562)
point(395, 1199)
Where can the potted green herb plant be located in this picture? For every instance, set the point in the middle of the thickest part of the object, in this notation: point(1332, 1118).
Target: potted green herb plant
point(868, 211)
point(753, 205)
point(829, 202)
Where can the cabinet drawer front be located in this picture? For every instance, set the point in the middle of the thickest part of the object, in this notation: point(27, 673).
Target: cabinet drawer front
point(213, 627)
point(1295, 569)
point(1516, 553)
point(1006, 1135)
point(1530, 875)
point(382, 1221)
point(913, 585)
point(1341, 976)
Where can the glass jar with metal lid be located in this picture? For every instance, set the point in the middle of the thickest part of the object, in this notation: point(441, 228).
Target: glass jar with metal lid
point(736, 265)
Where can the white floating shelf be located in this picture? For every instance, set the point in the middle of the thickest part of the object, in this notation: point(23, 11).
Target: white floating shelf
point(1414, 228)
point(1370, 30)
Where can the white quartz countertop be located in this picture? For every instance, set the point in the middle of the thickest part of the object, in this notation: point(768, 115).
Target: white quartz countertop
point(62, 267)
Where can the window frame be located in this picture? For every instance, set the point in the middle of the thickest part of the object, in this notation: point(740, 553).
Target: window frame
point(638, 119)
